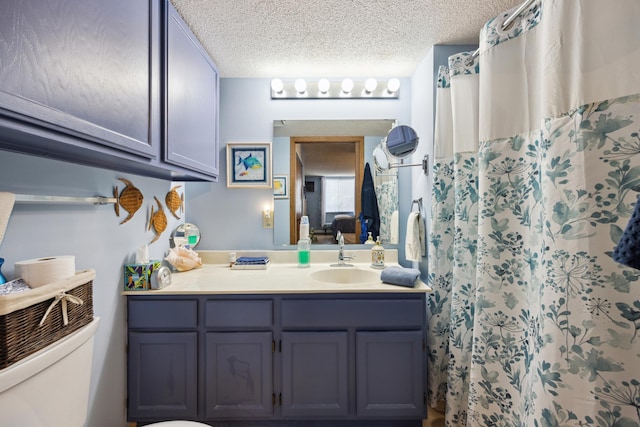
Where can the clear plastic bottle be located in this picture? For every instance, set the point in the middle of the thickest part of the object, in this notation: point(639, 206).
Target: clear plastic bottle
point(304, 244)
point(304, 252)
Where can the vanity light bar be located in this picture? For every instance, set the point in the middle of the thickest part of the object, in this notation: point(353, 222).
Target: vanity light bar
point(343, 89)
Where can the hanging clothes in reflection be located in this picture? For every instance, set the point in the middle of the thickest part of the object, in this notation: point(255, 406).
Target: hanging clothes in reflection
point(369, 215)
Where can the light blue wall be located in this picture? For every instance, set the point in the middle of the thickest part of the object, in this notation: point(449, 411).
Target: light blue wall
point(281, 206)
point(92, 234)
point(423, 101)
point(230, 218)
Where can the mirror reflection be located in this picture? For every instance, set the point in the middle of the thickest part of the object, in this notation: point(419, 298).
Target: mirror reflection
point(325, 160)
point(402, 141)
point(186, 234)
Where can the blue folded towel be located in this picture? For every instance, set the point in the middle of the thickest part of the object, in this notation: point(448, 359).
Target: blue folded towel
point(248, 260)
point(400, 276)
point(627, 251)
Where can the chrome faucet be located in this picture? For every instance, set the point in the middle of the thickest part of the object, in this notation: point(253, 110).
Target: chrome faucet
point(341, 255)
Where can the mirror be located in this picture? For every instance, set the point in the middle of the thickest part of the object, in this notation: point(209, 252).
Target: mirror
point(402, 141)
point(326, 152)
point(186, 235)
point(380, 158)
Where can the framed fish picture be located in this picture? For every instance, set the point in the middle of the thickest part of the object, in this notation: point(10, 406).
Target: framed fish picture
point(280, 187)
point(249, 165)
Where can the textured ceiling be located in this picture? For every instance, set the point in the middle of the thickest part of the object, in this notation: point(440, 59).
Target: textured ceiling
point(331, 38)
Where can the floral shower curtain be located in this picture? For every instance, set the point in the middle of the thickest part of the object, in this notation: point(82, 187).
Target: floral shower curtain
point(537, 171)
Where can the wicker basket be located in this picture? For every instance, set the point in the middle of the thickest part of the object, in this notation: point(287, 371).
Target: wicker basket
point(21, 315)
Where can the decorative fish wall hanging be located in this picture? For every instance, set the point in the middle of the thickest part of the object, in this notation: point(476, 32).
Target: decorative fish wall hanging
point(130, 199)
point(175, 201)
point(157, 220)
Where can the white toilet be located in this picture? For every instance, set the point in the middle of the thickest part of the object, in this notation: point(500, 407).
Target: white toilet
point(50, 388)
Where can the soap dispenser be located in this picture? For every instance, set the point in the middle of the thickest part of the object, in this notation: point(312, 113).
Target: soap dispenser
point(304, 244)
point(370, 240)
point(377, 255)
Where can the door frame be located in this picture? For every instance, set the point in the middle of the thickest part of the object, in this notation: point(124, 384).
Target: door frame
point(293, 168)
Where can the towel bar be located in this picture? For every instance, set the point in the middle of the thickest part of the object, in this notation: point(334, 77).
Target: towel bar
point(96, 200)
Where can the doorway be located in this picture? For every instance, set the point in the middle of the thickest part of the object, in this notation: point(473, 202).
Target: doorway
point(323, 156)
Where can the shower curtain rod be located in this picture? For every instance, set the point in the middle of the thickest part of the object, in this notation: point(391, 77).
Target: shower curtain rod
point(507, 22)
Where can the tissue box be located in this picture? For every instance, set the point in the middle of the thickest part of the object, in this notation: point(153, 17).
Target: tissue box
point(137, 277)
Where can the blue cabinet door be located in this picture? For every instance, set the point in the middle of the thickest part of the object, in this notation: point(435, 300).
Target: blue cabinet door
point(85, 72)
point(162, 375)
point(390, 374)
point(315, 374)
point(238, 374)
point(191, 100)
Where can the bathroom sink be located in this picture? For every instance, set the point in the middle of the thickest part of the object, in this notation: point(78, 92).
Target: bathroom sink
point(345, 275)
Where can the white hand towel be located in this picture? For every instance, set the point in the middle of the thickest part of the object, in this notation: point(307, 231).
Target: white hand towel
point(394, 226)
point(6, 207)
point(415, 245)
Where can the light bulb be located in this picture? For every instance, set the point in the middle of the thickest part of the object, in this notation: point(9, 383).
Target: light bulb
point(277, 86)
point(370, 85)
point(323, 86)
point(393, 85)
point(301, 86)
point(347, 85)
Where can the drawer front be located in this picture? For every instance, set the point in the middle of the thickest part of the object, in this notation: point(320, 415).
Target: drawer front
point(163, 314)
point(239, 314)
point(332, 313)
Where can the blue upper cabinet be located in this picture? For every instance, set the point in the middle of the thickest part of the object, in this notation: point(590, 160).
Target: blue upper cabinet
point(82, 81)
point(191, 107)
point(80, 67)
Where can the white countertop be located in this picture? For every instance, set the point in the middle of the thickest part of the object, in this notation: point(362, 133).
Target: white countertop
point(282, 276)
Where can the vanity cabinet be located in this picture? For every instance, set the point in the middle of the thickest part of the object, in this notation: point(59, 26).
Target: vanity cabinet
point(238, 358)
point(162, 360)
point(280, 359)
point(384, 389)
point(315, 368)
point(376, 355)
point(82, 81)
point(238, 374)
point(165, 366)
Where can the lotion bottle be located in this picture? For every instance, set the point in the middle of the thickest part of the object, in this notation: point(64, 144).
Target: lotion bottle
point(370, 240)
point(377, 255)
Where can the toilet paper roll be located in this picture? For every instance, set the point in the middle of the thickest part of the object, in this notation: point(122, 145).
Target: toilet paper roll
point(40, 271)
